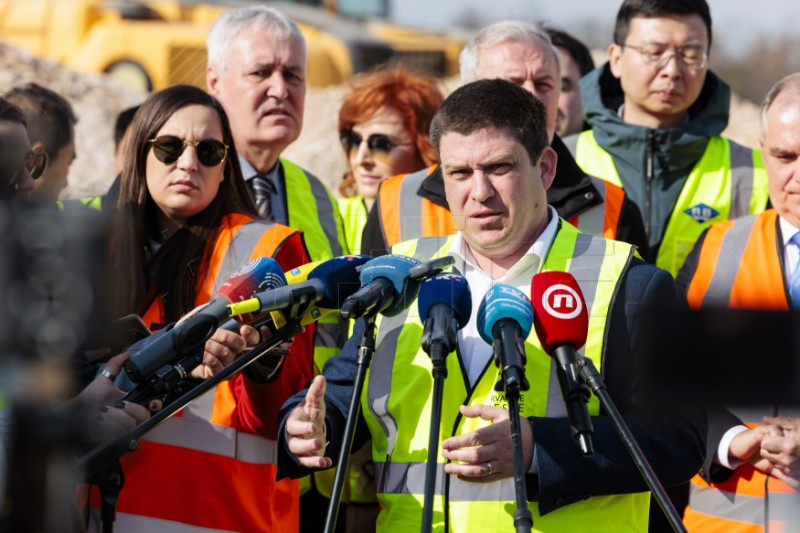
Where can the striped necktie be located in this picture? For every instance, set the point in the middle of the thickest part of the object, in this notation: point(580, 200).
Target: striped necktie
point(794, 282)
point(263, 190)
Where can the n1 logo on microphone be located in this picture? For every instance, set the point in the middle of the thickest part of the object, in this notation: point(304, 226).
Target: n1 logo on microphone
point(562, 301)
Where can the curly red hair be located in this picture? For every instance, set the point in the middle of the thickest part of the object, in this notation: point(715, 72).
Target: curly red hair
point(415, 97)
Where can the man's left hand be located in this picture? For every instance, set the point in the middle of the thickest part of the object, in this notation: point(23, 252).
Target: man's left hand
point(784, 451)
point(486, 455)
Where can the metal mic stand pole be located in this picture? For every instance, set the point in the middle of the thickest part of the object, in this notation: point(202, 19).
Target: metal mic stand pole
point(438, 353)
point(101, 464)
point(509, 354)
point(592, 378)
point(366, 349)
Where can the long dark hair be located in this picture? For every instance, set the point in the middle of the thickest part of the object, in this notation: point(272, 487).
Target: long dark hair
point(174, 271)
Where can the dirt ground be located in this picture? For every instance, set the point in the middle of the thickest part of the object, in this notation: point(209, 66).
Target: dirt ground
point(97, 100)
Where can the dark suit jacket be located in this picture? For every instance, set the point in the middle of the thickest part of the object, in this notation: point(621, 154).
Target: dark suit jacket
point(672, 439)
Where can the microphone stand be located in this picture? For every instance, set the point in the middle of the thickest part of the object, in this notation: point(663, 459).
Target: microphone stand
point(438, 352)
point(366, 348)
point(509, 356)
point(591, 377)
point(102, 464)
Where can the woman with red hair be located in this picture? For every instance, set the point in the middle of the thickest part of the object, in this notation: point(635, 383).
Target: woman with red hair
point(383, 128)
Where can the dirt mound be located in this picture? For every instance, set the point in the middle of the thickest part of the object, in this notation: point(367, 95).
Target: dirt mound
point(97, 100)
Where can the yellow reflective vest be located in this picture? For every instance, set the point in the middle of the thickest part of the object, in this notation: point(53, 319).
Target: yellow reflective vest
point(729, 181)
point(398, 396)
point(354, 217)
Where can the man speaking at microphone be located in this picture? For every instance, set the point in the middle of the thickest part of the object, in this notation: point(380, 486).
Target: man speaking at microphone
point(497, 165)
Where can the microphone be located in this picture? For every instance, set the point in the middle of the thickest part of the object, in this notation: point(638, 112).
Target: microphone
point(328, 285)
point(189, 334)
point(389, 284)
point(445, 304)
point(562, 324)
point(505, 317)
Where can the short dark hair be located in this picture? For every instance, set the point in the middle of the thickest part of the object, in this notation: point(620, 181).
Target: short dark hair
point(11, 113)
point(579, 52)
point(493, 103)
point(658, 8)
point(124, 119)
point(50, 117)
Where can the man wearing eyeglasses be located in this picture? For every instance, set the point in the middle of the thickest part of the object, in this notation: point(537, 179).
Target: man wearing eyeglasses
point(656, 113)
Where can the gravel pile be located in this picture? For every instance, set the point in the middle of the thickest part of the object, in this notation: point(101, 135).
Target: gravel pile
point(97, 100)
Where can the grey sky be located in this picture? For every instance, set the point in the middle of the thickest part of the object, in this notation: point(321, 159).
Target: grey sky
point(735, 22)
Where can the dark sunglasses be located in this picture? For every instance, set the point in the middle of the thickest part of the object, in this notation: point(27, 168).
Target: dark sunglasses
point(377, 143)
point(168, 148)
point(34, 162)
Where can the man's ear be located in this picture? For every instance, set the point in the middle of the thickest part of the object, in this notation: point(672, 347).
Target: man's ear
point(614, 59)
point(212, 81)
point(547, 166)
point(38, 146)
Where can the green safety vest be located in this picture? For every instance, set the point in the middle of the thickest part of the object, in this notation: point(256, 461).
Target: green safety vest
point(398, 396)
point(313, 210)
point(93, 202)
point(729, 181)
point(354, 215)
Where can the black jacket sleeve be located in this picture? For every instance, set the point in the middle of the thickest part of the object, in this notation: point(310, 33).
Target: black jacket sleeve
point(672, 436)
point(373, 241)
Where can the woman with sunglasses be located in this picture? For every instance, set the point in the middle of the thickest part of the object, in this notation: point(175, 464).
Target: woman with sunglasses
point(19, 165)
point(185, 223)
point(383, 128)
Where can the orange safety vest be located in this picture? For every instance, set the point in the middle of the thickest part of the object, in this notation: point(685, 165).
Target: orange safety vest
point(405, 215)
point(737, 505)
point(212, 466)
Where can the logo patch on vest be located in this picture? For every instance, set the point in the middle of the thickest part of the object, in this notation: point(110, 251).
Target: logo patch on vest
point(701, 213)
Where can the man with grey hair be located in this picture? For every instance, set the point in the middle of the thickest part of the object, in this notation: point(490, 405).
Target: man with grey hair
point(521, 53)
point(257, 70)
point(753, 263)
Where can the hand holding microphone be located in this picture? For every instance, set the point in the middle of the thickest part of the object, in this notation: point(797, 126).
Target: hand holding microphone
point(562, 322)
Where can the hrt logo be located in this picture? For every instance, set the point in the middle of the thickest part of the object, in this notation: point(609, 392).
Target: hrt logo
point(562, 301)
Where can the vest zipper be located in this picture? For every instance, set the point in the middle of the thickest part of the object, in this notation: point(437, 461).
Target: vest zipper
point(648, 199)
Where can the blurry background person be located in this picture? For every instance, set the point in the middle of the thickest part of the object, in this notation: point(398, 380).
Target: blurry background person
point(576, 60)
point(185, 223)
point(121, 127)
point(51, 129)
point(383, 128)
point(19, 165)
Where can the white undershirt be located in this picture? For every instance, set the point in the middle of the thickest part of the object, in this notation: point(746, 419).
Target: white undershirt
point(474, 351)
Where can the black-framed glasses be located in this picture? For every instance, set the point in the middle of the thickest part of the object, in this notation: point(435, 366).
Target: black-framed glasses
point(168, 148)
point(34, 162)
point(693, 56)
point(378, 143)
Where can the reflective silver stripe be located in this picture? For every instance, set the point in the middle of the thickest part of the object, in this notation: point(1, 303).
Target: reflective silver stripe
point(202, 436)
point(380, 375)
point(593, 220)
point(409, 478)
point(330, 334)
point(411, 206)
point(741, 180)
point(238, 253)
point(128, 523)
point(406, 478)
point(783, 507)
point(201, 408)
point(730, 256)
point(571, 143)
point(325, 212)
point(586, 268)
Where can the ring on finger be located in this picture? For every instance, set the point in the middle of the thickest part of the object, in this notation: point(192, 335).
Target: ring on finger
point(106, 373)
point(489, 466)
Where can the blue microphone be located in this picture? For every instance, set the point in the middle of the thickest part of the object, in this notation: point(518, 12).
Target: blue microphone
point(387, 286)
point(152, 353)
point(445, 304)
point(505, 318)
point(328, 286)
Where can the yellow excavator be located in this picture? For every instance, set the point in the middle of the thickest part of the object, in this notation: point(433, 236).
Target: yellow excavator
point(149, 45)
